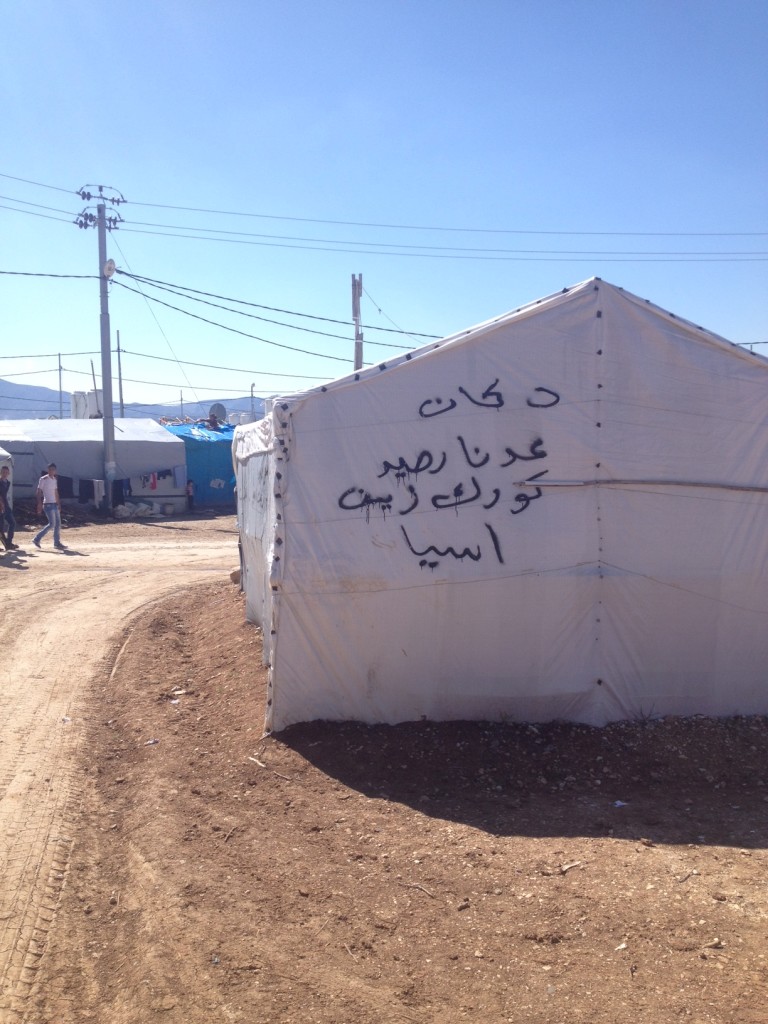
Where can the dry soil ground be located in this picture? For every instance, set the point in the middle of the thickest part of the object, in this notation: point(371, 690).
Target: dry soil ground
point(162, 860)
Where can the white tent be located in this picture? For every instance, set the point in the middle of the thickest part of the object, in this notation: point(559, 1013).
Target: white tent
point(77, 447)
point(558, 514)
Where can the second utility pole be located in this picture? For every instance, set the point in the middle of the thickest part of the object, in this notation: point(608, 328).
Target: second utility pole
point(357, 291)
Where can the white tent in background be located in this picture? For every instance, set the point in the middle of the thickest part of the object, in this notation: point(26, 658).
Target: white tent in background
point(558, 514)
point(142, 447)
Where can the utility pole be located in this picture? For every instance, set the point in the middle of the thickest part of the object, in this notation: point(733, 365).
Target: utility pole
point(102, 223)
point(357, 291)
point(61, 400)
point(105, 272)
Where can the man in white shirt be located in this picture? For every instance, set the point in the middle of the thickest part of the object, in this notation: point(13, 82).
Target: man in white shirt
point(48, 502)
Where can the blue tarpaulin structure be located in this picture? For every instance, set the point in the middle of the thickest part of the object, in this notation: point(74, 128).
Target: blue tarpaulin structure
point(209, 461)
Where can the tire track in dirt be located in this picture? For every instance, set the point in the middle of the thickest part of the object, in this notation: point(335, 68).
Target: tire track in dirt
point(61, 618)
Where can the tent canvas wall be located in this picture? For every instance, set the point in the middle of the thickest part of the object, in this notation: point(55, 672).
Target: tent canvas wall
point(557, 514)
point(209, 461)
point(142, 448)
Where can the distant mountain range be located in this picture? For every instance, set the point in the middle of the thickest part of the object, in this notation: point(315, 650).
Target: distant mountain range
point(27, 402)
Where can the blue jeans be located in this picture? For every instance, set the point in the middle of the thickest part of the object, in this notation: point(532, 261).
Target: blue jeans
point(8, 523)
point(54, 523)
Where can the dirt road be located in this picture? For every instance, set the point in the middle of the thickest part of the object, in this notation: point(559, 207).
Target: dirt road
point(162, 860)
point(61, 615)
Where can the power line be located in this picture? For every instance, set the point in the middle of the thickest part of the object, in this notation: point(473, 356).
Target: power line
point(272, 309)
point(146, 355)
point(26, 181)
point(25, 202)
point(26, 373)
point(167, 384)
point(233, 330)
point(165, 286)
point(438, 248)
point(422, 251)
point(226, 369)
point(449, 252)
point(29, 273)
point(294, 327)
point(49, 355)
point(450, 249)
point(378, 307)
point(420, 227)
point(19, 398)
point(479, 231)
point(241, 312)
point(157, 323)
point(31, 213)
point(638, 258)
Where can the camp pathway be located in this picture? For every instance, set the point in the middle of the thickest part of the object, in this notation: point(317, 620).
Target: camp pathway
point(63, 616)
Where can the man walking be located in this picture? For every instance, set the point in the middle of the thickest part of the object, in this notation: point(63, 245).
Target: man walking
point(48, 502)
point(7, 521)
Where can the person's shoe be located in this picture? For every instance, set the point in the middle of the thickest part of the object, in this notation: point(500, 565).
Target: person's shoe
point(36, 542)
point(13, 547)
point(60, 547)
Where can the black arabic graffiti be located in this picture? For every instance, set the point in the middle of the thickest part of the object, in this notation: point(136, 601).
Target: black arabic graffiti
point(412, 491)
point(458, 497)
point(489, 399)
point(437, 412)
point(496, 401)
point(555, 398)
point(423, 463)
point(468, 457)
point(356, 498)
point(535, 451)
point(410, 473)
point(526, 499)
point(474, 556)
point(366, 501)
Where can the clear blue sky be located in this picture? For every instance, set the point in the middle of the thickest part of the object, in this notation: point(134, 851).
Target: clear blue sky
point(464, 157)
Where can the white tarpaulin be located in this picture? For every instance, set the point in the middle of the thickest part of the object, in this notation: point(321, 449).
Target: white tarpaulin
point(558, 514)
